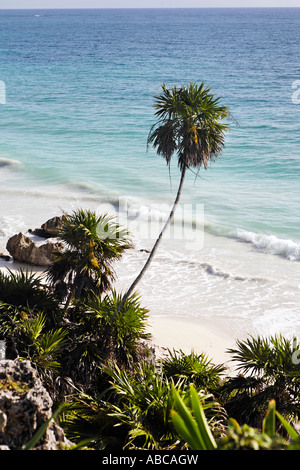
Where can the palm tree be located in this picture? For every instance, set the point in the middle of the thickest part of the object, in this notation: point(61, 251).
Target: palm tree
point(190, 124)
point(93, 243)
point(24, 289)
point(268, 371)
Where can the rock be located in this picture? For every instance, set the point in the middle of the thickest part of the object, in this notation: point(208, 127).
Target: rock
point(4, 256)
point(51, 228)
point(25, 250)
point(25, 406)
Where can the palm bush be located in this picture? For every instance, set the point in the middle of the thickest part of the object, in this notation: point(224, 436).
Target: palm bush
point(133, 412)
point(86, 418)
point(142, 403)
point(122, 331)
point(27, 337)
point(93, 244)
point(100, 335)
point(268, 372)
point(39, 346)
point(192, 367)
point(26, 289)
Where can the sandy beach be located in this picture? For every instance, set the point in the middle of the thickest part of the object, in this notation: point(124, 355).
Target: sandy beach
point(170, 332)
point(195, 306)
point(207, 300)
point(201, 336)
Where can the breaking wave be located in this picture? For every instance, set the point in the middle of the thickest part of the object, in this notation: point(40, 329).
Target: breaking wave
point(9, 163)
point(270, 244)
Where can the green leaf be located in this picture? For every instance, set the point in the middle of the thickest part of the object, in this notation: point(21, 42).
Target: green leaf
point(290, 430)
point(234, 425)
point(187, 429)
point(40, 432)
point(269, 421)
point(194, 430)
point(203, 426)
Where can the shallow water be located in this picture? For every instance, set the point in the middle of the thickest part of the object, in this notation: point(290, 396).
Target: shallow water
point(73, 131)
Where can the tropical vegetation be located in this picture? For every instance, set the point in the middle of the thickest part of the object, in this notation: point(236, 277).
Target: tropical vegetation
point(93, 243)
point(109, 389)
point(190, 123)
point(91, 347)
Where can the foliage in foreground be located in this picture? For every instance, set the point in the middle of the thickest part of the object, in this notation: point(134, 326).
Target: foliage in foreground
point(122, 399)
point(134, 411)
point(91, 351)
point(191, 423)
point(268, 371)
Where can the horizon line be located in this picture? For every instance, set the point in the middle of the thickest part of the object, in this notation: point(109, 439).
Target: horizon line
point(156, 8)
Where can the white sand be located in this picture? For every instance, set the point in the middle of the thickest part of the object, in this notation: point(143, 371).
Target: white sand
point(187, 335)
point(169, 332)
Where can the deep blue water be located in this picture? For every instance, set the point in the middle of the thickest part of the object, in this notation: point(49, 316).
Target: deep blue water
point(79, 106)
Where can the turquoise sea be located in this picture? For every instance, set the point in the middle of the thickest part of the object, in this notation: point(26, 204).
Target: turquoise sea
point(77, 92)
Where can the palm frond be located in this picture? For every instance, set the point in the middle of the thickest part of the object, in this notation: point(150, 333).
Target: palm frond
point(93, 244)
point(190, 123)
point(192, 367)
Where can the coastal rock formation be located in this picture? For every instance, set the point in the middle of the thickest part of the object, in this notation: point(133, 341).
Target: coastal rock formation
point(4, 257)
point(50, 229)
point(25, 250)
point(25, 405)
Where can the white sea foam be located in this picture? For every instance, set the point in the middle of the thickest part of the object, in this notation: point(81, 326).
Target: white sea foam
point(280, 320)
point(271, 244)
point(9, 163)
point(245, 293)
point(145, 213)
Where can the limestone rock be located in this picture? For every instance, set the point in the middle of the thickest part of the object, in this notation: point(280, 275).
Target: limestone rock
point(25, 250)
point(25, 406)
point(4, 257)
point(51, 228)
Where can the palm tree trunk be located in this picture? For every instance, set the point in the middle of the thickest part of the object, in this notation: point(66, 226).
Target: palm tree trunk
point(155, 247)
point(73, 290)
point(68, 301)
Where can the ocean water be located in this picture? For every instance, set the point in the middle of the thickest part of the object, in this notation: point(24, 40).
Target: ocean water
point(76, 106)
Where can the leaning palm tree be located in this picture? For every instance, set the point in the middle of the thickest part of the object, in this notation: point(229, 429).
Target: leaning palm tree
point(191, 124)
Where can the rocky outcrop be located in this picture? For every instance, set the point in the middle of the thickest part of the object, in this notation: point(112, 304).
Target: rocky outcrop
point(4, 257)
point(25, 405)
point(25, 250)
point(51, 228)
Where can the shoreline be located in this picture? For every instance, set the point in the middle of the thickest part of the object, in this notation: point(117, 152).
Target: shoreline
point(187, 334)
point(170, 332)
point(208, 300)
